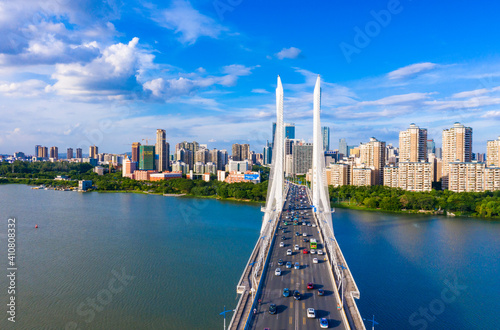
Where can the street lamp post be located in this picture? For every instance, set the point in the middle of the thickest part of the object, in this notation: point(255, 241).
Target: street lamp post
point(224, 313)
point(372, 321)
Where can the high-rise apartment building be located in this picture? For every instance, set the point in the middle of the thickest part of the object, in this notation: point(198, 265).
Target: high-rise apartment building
point(362, 176)
point(202, 156)
point(93, 151)
point(493, 153)
point(42, 152)
point(372, 154)
point(492, 178)
point(135, 151)
point(193, 146)
point(241, 151)
point(325, 132)
point(162, 152)
point(36, 150)
point(79, 153)
point(146, 158)
point(301, 158)
point(466, 176)
point(54, 153)
point(457, 147)
point(337, 174)
point(415, 176)
point(413, 144)
point(69, 153)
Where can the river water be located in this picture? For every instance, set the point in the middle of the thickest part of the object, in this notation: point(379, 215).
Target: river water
point(133, 261)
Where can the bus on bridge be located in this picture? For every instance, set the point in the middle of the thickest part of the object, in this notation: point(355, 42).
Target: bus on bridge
point(314, 243)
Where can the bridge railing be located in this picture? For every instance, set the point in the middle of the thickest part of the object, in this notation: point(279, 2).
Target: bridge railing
point(343, 277)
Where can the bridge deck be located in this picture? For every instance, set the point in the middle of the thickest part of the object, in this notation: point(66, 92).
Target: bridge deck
point(292, 314)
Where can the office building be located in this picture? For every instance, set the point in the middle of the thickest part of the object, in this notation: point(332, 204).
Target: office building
point(162, 152)
point(289, 131)
point(325, 132)
point(79, 153)
point(413, 144)
point(69, 153)
point(343, 147)
point(268, 154)
point(93, 151)
point(372, 154)
point(457, 147)
point(237, 166)
point(54, 153)
point(431, 146)
point(146, 158)
point(36, 150)
point(135, 151)
point(42, 152)
point(493, 153)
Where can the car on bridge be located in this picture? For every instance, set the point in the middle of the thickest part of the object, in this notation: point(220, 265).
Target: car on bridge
point(321, 292)
point(305, 251)
point(297, 234)
point(297, 265)
point(320, 251)
point(280, 262)
point(311, 313)
point(313, 251)
point(288, 264)
point(296, 247)
point(296, 295)
point(323, 323)
point(289, 252)
point(310, 286)
point(282, 244)
point(277, 272)
point(286, 292)
point(304, 234)
point(272, 309)
point(315, 260)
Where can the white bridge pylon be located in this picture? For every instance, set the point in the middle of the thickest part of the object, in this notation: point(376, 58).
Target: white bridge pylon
point(320, 196)
point(274, 202)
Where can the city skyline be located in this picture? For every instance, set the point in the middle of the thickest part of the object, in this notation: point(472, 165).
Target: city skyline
point(83, 74)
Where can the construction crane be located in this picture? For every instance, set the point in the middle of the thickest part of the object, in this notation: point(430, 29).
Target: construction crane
point(147, 139)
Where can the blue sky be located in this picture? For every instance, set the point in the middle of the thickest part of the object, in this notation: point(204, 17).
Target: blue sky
point(111, 72)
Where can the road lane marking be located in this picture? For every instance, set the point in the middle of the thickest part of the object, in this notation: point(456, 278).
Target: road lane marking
point(291, 304)
point(303, 305)
point(290, 320)
point(304, 320)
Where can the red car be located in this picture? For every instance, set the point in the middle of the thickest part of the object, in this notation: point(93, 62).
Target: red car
point(305, 251)
point(310, 286)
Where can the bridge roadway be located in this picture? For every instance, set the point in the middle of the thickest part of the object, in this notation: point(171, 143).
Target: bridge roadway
point(291, 313)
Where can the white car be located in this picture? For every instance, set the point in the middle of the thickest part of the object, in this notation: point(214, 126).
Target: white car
point(311, 313)
point(320, 251)
point(313, 251)
point(315, 260)
point(282, 244)
point(303, 223)
point(288, 252)
point(277, 272)
point(314, 225)
point(304, 234)
point(296, 247)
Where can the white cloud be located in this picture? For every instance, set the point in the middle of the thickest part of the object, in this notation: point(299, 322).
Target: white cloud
point(475, 93)
point(28, 88)
point(291, 52)
point(411, 70)
point(260, 91)
point(188, 22)
point(115, 73)
point(492, 114)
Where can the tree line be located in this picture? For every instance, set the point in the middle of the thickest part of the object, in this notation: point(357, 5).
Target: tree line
point(482, 204)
